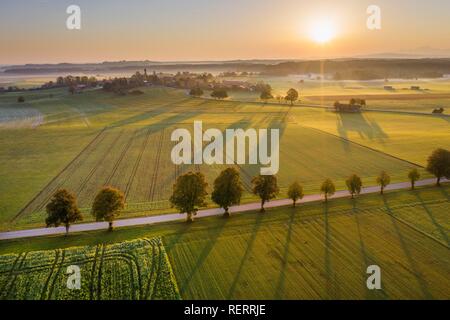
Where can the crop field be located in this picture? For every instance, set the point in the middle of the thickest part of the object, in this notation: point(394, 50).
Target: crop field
point(89, 140)
point(406, 136)
point(315, 251)
point(133, 270)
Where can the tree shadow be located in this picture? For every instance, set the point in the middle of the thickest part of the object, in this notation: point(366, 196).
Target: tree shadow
point(416, 273)
point(368, 260)
point(327, 246)
point(216, 232)
point(246, 255)
point(439, 227)
point(284, 262)
point(357, 122)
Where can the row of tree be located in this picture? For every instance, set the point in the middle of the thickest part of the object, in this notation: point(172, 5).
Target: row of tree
point(190, 192)
point(292, 95)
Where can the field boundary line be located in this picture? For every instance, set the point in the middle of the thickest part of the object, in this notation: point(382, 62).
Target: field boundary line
point(58, 175)
point(406, 223)
point(364, 146)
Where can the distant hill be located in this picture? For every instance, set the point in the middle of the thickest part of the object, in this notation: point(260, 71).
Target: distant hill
point(340, 69)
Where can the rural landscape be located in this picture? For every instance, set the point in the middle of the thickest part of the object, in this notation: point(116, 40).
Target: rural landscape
point(89, 185)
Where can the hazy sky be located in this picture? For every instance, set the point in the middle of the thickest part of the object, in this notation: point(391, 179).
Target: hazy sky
point(35, 31)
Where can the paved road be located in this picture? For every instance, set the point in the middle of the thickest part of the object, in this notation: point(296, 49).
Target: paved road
point(201, 214)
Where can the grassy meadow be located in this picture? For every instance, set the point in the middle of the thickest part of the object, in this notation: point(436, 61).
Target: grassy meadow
point(314, 251)
point(89, 140)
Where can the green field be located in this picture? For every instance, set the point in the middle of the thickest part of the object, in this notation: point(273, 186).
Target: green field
point(89, 140)
point(134, 270)
point(315, 251)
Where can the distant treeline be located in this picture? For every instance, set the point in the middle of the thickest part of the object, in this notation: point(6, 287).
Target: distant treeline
point(365, 69)
point(340, 69)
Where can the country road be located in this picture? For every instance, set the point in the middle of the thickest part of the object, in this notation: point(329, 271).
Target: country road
point(201, 213)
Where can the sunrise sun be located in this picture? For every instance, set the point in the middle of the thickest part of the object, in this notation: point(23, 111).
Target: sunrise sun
point(322, 31)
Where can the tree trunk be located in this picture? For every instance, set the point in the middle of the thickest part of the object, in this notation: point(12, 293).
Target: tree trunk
point(412, 185)
point(294, 203)
point(110, 226)
point(382, 190)
point(438, 183)
point(189, 217)
point(67, 229)
point(262, 206)
point(326, 197)
point(226, 214)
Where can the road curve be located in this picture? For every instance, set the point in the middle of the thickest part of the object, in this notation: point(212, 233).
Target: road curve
point(201, 213)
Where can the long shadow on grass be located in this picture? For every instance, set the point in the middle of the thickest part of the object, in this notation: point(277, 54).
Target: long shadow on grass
point(147, 114)
point(327, 246)
point(440, 228)
point(281, 280)
point(251, 241)
point(357, 122)
point(204, 254)
point(368, 260)
point(415, 271)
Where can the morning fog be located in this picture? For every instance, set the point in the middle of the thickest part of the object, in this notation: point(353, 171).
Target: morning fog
point(191, 150)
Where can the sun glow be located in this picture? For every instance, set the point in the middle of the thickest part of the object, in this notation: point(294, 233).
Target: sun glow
point(322, 31)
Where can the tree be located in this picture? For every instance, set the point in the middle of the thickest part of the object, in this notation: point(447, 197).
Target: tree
point(62, 209)
point(292, 96)
point(196, 92)
point(383, 180)
point(439, 164)
point(266, 187)
point(219, 93)
point(107, 205)
point(227, 189)
point(413, 176)
point(328, 188)
point(354, 185)
point(189, 193)
point(295, 192)
point(266, 94)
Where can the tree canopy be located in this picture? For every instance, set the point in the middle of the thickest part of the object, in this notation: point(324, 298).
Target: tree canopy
point(439, 164)
point(107, 205)
point(219, 93)
point(62, 210)
point(292, 95)
point(227, 189)
point(328, 188)
point(354, 185)
point(383, 181)
point(295, 192)
point(265, 187)
point(189, 193)
point(413, 176)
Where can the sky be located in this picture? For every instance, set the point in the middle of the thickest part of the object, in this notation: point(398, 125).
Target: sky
point(198, 30)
